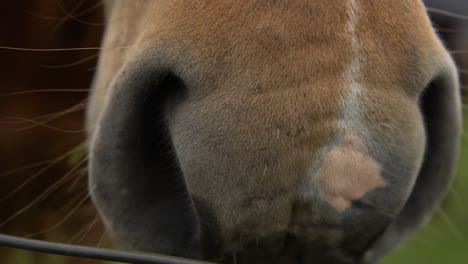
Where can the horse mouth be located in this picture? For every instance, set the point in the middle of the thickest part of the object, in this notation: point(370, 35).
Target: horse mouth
point(305, 240)
point(291, 248)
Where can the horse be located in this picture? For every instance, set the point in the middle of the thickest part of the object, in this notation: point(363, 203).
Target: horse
point(273, 131)
point(270, 131)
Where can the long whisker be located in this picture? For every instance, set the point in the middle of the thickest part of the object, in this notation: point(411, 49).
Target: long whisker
point(30, 166)
point(65, 19)
point(71, 64)
point(64, 219)
point(450, 30)
point(458, 51)
point(377, 208)
point(75, 18)
point(89, 10)
point(452, 227)
point(46, 193)
point(85, 230)
point(33, 177)
point(71, 202)
point(47, 117)
point(80, 174)
point(39, 124)
point(46, 91)
point(55, 49)
point(43, 119)
point(51, 18)
point(101, 239)
point(84, 12)
point(446, 13)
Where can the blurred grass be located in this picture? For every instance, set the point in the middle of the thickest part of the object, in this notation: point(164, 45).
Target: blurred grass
point(445, 238)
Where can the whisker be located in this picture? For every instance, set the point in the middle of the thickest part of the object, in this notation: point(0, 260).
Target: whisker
point(75, 18)
point(446, 13)
point(85, 230)
point(450, 30)
point(458, 51)
point(46, 91)
point(90, 226)
point(84, 12)
point(65, 218)
point(393, 174)
point(101, 239)
point(72, 201)
point(30, 166)
point(38, 124)
point(71, 64)
point(37, 174)
point(67, 17)
point(55, 49)
point(80, 174)
point(370, 204)
point(51, 18)
point(45, 194)
point(89, 10)
point(43, 119)
point(452, 227)
point(47, 117)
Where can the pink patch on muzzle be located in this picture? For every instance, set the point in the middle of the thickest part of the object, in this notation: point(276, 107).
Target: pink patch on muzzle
point(348, 172)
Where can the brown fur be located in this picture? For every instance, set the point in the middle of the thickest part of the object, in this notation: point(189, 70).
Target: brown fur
point(264, 93)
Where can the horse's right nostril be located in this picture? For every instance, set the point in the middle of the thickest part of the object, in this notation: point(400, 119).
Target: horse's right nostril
point(135, 180)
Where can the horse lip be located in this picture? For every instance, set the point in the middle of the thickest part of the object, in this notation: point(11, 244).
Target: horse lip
point(290, 249)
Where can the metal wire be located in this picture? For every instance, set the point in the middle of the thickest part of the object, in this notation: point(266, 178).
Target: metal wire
point(92, 253)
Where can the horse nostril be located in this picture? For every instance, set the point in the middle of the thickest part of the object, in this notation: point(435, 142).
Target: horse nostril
point(132, 151)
